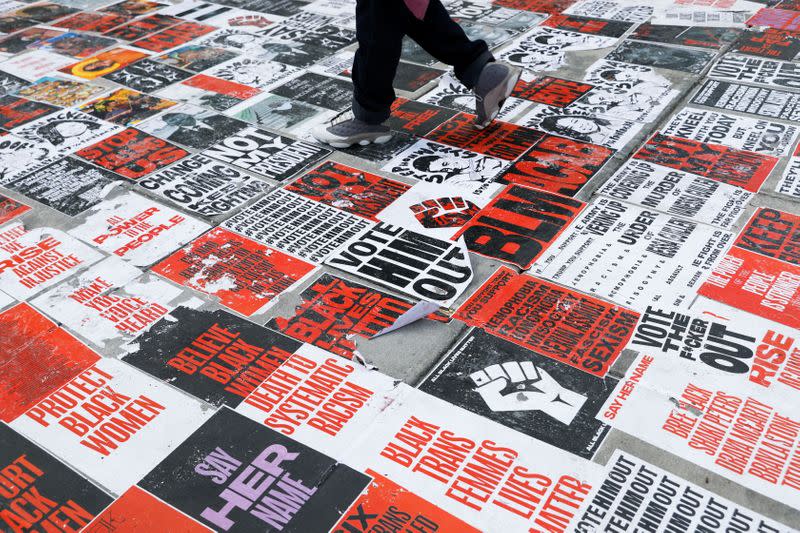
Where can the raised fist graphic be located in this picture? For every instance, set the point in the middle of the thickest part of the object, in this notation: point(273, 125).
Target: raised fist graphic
point(445, 212)
point(515, 386)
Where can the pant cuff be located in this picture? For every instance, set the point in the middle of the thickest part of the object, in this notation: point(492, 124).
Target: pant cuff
point(469, 75)
point(370, 117)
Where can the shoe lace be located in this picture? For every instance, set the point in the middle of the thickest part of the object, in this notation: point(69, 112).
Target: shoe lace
point(344, 116)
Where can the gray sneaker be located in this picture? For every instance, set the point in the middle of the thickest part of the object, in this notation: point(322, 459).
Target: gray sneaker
point(345, 130)
point(495, 84)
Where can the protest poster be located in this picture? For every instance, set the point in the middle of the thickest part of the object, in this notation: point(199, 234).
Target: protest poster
point(535, 395)
point(634, 256)
point(32, 259)
point(424, 267)
point(331, 311)
point(296, 225)
point(677, 193)
point(635, 494)
point(137, 229)
point(244, 275)
point(579, 330)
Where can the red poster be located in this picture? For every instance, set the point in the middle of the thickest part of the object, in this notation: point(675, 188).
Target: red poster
point(132, 153)
point(553, 321)
point(541, 6)
point(557, 164)
point(556, 92)
point(37, 357)
point(772, 233)
point(348, 189)
point(499, 139)
point(242, 273)
point(780, 19)
point(385, 505)
point(92, 21)
point(760, 285)
point(216, 85)
point(10, 208)
point(138, 510)
point(333, 310)
point(742, 168)
point(519, 224)
point(175, 36)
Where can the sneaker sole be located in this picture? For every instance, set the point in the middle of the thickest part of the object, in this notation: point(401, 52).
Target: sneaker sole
point(363, 142)
point(507, 90)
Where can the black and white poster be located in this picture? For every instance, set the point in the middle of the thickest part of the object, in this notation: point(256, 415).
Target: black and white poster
point(276, 112)
point(68, 185)
point(204, 186)
point(439, 163)
point(10, 84)
point(424, 267)
point(535, 395)
point(635, 495)
point(66, 131)
point(756, 70)
point(744, 133)
point(297, 225)
point(259, 73)
point(322, 91)
point(612, 10)
point(545, 48)
point(231, 453)
point(634, 256)
point(20, 156)
point(678, 193)
point(192, 126)
point(688, 60)
point(267, 154)
point(768, 103)
point(147, 76)
point(603, 130)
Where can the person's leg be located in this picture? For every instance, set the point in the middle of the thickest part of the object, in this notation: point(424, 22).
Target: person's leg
point(443, 38)
point(473, 63)
point(380, 27)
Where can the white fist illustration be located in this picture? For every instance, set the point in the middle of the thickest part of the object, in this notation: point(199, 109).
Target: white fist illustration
point(515, 386)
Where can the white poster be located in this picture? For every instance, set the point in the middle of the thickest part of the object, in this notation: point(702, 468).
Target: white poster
point(32, 260)
point(110, 301)
point(348, 399)
point(712, 422)
point(439, 163)
point(719, 344)
point(112, 422)
point(789, 183)
point(204, 186)
point(603, 130)
point(259, 73)
point(20, 156)
point(677, 193)
point(424, 267)
point(634, 256)
point(635, 495)
point(757, 70)
point(296, 225)
point(136, 228)
point(66, 131)
point(36, 64)
point(545, 48)
point(745, 133)
point(490, 476)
